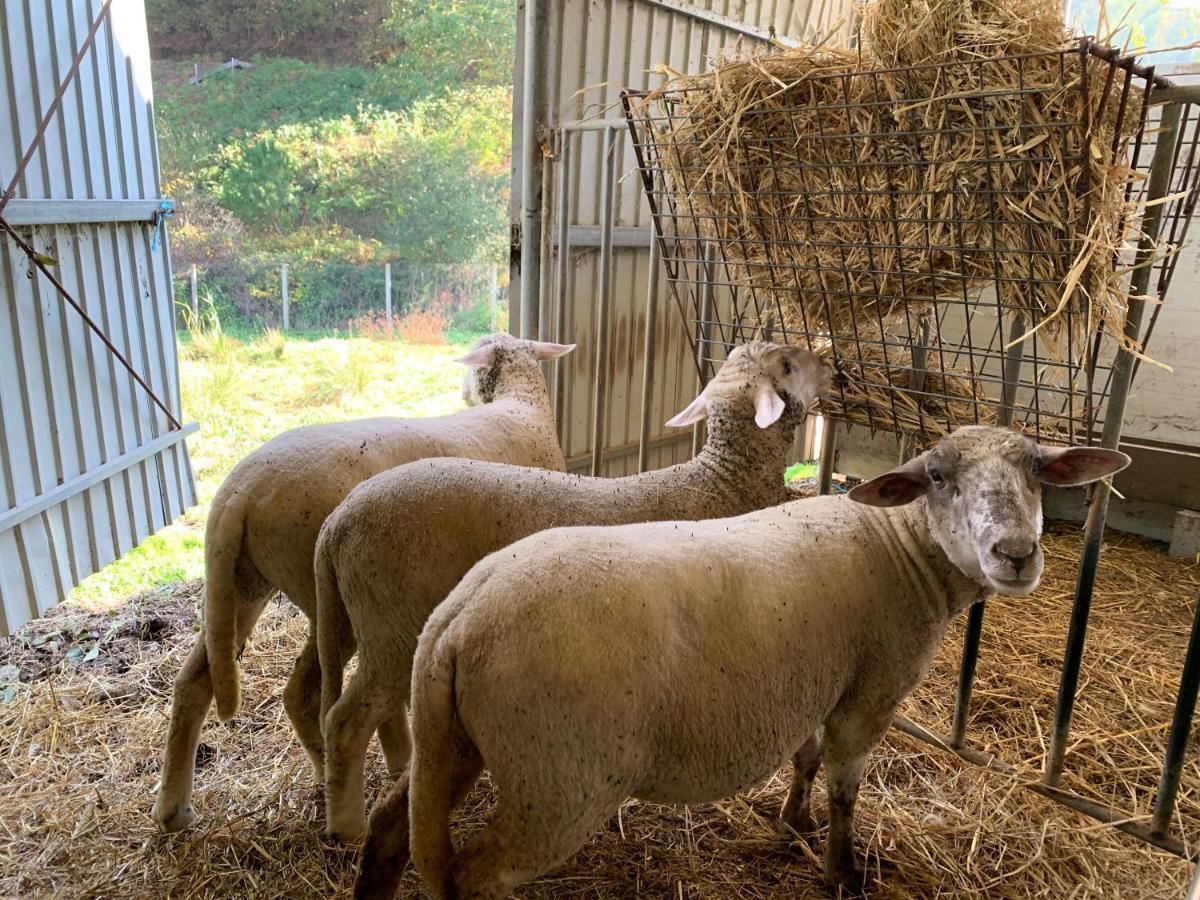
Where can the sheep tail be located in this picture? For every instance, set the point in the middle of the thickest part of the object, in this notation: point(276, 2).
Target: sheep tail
point(223, 593)
point(333, 624)
point(436, 729)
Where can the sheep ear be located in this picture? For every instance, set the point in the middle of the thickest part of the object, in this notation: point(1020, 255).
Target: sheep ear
point(479, 357)
point(898, 487)
point(545, 350)
point(1078, 465)
point(768, 406)
point(696, 410)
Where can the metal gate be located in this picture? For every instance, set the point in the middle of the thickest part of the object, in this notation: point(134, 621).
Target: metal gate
point(92, 459)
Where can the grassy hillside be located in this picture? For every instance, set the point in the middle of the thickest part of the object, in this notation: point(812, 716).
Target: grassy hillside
point(390, 143)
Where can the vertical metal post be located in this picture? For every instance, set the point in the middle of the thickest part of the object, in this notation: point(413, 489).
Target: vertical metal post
point(828, 452)
point(702, 335)
point(387, 294)
point(533, 111)
point(1181, 726)
point(970, 656)
point(562, 279)
point(920, 358)
point(283, 285)
point(195, 296)
point(600, 397)
point(1194, 888)
point(648, 351)
point(495, 301)
point(1110, 437)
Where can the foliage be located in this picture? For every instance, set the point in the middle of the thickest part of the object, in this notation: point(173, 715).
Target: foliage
point(422, 326)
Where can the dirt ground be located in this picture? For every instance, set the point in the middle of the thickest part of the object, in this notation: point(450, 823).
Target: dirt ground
point(86, 698)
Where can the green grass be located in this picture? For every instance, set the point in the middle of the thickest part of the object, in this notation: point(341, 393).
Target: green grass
point(245, 389)
point(799, 470)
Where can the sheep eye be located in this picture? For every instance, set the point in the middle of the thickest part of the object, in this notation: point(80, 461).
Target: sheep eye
point(937, 479)
point(787, 367)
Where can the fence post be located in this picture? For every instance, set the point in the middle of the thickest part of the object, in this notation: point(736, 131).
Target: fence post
point(387, 293)
point(195, 296)
point(284, 285)
point(495, 297)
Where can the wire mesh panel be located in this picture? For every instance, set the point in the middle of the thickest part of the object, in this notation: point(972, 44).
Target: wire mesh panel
point(957, 238)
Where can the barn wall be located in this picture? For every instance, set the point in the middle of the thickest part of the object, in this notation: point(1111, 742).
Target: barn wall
point(596, 49)
point(89, 467)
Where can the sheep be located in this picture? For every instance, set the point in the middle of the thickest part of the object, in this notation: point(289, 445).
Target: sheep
point(683, 662)
point(401, 540)
point(264, 522)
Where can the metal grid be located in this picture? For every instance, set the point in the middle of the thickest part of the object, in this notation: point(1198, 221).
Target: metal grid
point(939, 284)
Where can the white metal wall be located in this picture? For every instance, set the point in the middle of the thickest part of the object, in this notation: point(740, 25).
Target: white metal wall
point(596, 50)
point(89, 466)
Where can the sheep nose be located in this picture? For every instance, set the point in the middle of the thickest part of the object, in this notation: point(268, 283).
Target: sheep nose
point(1017, 552)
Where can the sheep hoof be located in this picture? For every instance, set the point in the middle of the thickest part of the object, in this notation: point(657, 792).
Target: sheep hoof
point(345, 832)
point(177, 818)
point(849, 878)
point(801, 827)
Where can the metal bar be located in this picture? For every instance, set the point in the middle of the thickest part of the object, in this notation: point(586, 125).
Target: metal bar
point(974, 630)
point(533, 109)
point(80, 212)
point(600, 396)
point(35, 260)
point(195, 295)
point(711, 18)
point(1176, 93)
point(387, 293)
point(283, 287)
point(1122, 371)
point(13, 517)
point(702, 337)
point(1101, 812)
point(591, 235)
point(581, 462)
point(562, 278)
point(648, 358)
point(920, 354)
point(828, 451)
point(1194, 888)
point(593, 124)
point(1181, 726)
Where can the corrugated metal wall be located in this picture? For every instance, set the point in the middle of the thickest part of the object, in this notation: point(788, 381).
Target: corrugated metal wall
point(596, 50)
point(89, 467)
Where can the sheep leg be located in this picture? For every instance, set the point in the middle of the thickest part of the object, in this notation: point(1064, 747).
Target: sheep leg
point(795, 817)
point(521, 842)
point(386, 851)
point(302, 700)
point(849, 740)
point(363, 707)
point(396, 742)
point(190, 700)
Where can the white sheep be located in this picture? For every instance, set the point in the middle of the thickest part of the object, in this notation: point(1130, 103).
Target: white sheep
point(402, 540)
point(264, 521)
point(683, 662)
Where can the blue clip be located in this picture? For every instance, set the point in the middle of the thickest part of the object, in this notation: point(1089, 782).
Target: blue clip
point(165, 210)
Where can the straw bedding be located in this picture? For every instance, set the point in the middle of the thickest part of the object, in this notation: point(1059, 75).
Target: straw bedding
point(858, 187)
point(80, 755)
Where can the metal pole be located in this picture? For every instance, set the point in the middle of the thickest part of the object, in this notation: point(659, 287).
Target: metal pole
point(920, 358)
point(828, 452)
point(1181, 726)
point(283, 283)
point(702, 335)
point(533, 110)
point(387, 294)
point(562, 273)
point(648, 357)
point(974, 631)
point(1122, 371)
point(600, 397)
point(195, 297)
point(1194, 888)
point(495, 295)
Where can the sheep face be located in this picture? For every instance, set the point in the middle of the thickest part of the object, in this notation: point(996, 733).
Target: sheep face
point(983, 490)
point(773, 377)
point(495, 355)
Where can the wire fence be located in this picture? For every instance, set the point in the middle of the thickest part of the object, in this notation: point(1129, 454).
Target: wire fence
point(336, 296)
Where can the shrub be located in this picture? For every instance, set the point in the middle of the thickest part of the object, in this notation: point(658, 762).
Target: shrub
point(373, 326)
point(422, 327)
